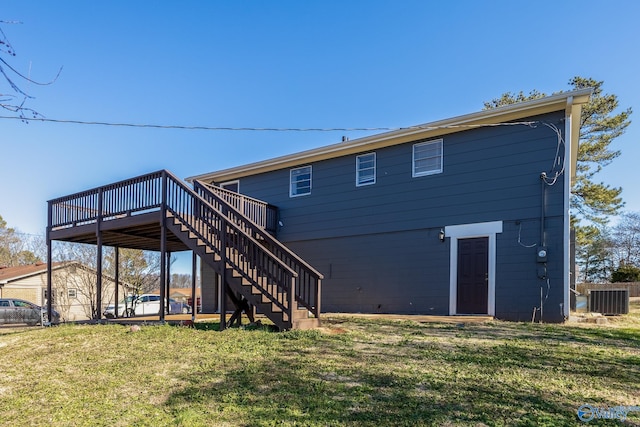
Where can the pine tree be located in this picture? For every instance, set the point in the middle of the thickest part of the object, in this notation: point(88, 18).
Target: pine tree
point(600, 124)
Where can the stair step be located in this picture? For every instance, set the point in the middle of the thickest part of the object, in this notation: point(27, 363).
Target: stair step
point(300, 314)
point(309, 323)
point(243, 283)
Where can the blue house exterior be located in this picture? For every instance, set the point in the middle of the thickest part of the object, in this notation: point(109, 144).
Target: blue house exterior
point(463, 216)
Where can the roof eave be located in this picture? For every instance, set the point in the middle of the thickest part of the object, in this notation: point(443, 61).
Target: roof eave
point(34, 273)
point(506, 113)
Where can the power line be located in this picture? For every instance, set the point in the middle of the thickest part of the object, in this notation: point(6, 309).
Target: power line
point(257, 129)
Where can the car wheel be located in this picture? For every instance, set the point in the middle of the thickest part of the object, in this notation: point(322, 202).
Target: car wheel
point(130, 312)
point(185, 310)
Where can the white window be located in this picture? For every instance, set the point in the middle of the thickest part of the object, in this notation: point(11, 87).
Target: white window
point(300, 181)
point(366, 169)
point(427, 158)
point(231, 186)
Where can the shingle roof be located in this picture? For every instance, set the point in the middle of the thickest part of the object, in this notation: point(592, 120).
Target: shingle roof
point(11, 273)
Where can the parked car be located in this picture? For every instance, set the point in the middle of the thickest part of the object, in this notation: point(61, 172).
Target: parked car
point(125, 308)
point(148, 304)
point(13, 310)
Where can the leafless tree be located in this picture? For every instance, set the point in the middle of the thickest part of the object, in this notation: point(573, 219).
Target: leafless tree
point(626, 240)
point(17, 248)
point(15, 98)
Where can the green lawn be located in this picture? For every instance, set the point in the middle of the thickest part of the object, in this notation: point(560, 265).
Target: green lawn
point(351, 372)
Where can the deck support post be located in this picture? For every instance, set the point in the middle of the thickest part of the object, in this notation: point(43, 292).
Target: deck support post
point(222, 289)
point(163, 246)
point(116, 256)
point(167, 299)
point(49, 265)
point(194, 298)
point(98, 313)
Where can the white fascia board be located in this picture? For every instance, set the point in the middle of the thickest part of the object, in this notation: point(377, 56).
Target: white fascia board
point(502, 114)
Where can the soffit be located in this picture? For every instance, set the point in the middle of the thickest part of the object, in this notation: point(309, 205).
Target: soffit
point(507, 113)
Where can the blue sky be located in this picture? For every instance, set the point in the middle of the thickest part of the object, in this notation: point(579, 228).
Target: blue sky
point(285, 64)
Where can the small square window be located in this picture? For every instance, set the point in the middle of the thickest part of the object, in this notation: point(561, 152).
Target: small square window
point(366, 169)
point(300, 181)
point(72, 293)
point(427, 158)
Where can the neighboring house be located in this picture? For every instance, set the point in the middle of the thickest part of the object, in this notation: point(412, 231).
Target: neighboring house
point(463, 216)
point(73, 287)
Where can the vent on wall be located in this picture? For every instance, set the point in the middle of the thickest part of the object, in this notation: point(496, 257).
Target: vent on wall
point(609, 301)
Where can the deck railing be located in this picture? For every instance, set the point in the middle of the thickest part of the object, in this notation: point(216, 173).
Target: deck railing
point(275, 279)
point(309, 280)
point(261, 213)
point(128, 197)
point(280, 274)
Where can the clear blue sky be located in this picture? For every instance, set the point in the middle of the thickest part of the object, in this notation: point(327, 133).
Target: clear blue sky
point(282, 64)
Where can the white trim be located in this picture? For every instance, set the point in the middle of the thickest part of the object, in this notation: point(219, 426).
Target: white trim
point(415, 174)
point(375, 160)
point(468, 231)
point(568, 173)
point(291, 182)
point(235, 181)
point(428, 130)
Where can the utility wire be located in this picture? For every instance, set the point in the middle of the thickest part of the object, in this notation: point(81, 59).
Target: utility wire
point(256, 129)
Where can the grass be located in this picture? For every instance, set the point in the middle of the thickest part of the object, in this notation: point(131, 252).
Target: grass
point(353, 371)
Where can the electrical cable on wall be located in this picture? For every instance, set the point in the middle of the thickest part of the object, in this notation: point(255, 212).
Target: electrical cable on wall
point(533, 245)
point(558, 159)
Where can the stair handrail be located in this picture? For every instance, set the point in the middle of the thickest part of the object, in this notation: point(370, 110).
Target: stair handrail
point(258, 211)
point(305, 268)
point(288, 286)
point(264, 235)
point(163, 191)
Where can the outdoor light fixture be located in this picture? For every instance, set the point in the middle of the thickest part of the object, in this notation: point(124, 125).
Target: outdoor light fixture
point(441, 235)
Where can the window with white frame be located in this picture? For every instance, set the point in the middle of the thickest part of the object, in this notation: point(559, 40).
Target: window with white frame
point(427, 158)
point(72, 293)
point(300, 181)
point(231, 186)
point(366, 169)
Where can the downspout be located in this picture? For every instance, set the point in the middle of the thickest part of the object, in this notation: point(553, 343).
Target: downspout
point(568, 172)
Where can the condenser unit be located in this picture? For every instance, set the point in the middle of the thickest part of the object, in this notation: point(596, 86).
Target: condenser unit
point(609, 301)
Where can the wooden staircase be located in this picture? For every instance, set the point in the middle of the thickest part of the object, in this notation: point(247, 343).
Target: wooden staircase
point(249, 260)
point(228, 231)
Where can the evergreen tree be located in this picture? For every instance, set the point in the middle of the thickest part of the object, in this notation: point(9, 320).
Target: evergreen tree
point(600, 124)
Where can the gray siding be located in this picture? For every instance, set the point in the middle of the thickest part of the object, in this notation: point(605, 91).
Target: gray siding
point(377, 245)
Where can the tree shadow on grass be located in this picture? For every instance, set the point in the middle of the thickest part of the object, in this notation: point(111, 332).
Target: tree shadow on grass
point(276, 394)
point(299, 392)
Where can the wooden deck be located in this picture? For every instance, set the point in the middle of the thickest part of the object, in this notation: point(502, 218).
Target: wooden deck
point(141, 231)
point(159, 212)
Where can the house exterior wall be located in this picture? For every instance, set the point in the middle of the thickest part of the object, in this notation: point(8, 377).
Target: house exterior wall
point(28, 289)
point(378, 245)
point(209, 288)
point(82, 283)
